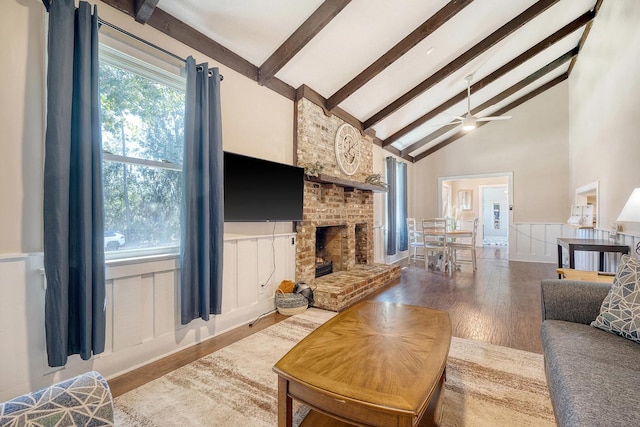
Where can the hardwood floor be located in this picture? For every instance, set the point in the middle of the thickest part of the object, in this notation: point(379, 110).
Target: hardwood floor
point(498, 304)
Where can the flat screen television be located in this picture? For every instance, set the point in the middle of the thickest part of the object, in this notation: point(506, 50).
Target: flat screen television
point(260, 190)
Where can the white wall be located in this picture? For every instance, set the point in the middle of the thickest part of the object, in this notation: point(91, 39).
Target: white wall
point(142, 296)
point(534, 145)
point(604, 106)
point(21, 121)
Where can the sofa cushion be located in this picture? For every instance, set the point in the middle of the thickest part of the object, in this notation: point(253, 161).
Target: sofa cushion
point(592, 375)
point(620, 310)
point(84, 400)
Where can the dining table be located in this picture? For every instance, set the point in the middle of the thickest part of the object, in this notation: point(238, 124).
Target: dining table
point(452, 235)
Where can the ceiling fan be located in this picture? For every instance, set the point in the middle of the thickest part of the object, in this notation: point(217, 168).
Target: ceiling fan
point(469, 121)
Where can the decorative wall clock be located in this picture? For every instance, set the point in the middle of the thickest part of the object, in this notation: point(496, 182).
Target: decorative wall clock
point(348, 149)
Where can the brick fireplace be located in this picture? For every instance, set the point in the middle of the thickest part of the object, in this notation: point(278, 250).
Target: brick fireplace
point(337, 225)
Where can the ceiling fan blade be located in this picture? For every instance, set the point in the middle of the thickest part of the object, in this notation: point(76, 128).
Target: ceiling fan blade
point(439, 125)
point(468, 80)
point(491, 118)
point(453, 115)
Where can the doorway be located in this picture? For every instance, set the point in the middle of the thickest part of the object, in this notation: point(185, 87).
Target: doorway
point(495, 223)
point(472, 185)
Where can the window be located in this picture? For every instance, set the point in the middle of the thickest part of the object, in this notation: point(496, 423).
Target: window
point(142, 112)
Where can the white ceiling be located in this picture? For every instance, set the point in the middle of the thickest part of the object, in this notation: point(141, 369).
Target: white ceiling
point(365, 29)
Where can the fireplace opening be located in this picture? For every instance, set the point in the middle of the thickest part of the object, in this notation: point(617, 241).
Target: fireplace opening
point(330, 249)
point(362, 244)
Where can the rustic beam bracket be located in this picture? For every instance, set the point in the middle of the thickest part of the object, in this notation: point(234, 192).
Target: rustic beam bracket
point(144, 9)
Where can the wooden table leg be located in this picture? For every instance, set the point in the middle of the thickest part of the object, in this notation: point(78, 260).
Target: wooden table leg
point(285, 404)
point(601, 262)
point(572, 258)
point(560, 260)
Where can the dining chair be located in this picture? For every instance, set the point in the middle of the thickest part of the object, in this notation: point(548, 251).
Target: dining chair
point(436, 242)
point(466, 244)
point(415, 241)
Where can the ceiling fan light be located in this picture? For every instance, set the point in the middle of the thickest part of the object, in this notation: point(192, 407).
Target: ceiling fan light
point(469, 123)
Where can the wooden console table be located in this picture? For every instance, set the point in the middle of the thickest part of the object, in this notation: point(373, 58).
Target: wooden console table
point(376, 364)
point(589, 276)
point(592, 245)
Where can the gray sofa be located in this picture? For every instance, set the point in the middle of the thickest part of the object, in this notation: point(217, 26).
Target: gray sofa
point(593, 376)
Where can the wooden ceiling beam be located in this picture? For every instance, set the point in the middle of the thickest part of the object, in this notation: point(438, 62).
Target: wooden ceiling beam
point(178, 30)
point(508, 67)
point(496, 99)
point(405, 45)
point(144, 9)
point(511, 106)
point(490, 41)
point(328, 10)
point(585, 33)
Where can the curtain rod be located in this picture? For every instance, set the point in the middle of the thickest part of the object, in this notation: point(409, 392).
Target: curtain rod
point(141, 40)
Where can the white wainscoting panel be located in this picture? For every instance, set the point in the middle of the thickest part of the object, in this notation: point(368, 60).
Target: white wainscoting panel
point(534, 242)
point(142, 303)
point(128, 306)
point(538, 243)
point(247, 273)
point(165, 294)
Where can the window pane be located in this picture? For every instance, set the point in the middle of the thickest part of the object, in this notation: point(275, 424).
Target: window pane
point(142, 204)
point(141, 118)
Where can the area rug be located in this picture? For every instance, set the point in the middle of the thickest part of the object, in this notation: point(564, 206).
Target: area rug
point(486, 385)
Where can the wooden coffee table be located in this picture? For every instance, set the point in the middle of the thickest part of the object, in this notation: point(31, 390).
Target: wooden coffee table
point(376, 363)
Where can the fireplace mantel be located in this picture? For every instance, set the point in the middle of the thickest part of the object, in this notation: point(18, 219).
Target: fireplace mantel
point(327, 179)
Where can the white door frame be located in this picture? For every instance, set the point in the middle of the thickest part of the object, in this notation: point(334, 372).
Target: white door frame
point(509, 176)
point(581, 198)
point(480, 237)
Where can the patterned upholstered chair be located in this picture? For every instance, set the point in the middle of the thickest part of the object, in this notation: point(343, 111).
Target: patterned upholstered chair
point(84, 400)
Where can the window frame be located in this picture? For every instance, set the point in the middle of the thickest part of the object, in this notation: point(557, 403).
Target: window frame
point(174, 80)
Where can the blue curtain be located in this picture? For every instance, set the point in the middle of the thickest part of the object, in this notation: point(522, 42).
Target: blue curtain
point(392, 194)
point(73, 213)
point(402, 203)
point(203, 199)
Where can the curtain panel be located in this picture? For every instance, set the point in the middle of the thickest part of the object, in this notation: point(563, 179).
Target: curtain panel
point(397, 232)
point(402, 204)
point(203, 199)
point(73, 213)
point(392, 195)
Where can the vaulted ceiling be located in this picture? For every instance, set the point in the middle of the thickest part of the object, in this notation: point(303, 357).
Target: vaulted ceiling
point(395, 69)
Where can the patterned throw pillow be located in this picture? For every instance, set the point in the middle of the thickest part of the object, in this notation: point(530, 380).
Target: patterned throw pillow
point(620, 310)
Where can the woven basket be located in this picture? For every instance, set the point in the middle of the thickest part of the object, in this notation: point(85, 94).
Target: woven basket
point(290, 304)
